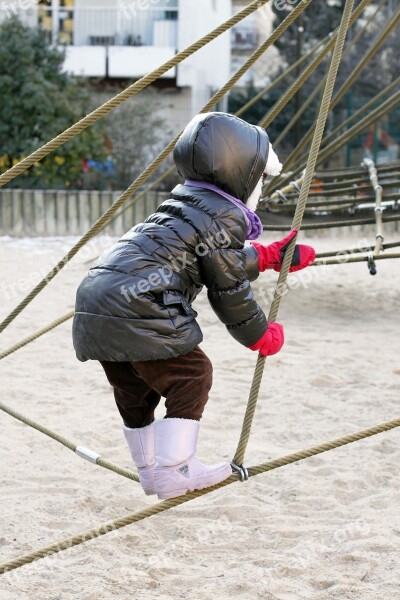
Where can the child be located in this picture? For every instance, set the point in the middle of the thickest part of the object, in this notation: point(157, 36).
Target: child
point(134, 307)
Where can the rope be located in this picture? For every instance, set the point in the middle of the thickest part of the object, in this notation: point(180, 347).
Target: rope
point(373, 175)
point(70, 314)
point(353, 250)
point(361, 110)
point(375, 46)
point(339, 203)
point(390, 104)
point(36, 335)
point(351, 171)
point(80, 538)
point(241, 110)
point(318, 88)
point(104, 219)
point(139, 196)
point(332, 185)
point(353, 259)
point(329, 224)
point(68, 444)
point(280, 195)
point(133, 89)
point(264, 467)
point(352, 190)
point(391, 24)
point(312, 159)
point(284, 74)
point(245, 107)
point(296, 85)
point(152, 184)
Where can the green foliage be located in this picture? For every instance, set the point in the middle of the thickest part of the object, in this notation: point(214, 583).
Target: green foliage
point(39, 101)
point(321, 18)
point(257, 112)
point(137, 132)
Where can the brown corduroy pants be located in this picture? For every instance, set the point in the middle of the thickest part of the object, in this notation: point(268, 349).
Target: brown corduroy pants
point(184, 382)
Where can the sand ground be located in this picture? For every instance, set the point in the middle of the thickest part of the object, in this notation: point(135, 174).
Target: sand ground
point(327, 528)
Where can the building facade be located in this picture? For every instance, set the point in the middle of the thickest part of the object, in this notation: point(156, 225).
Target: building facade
point(125, 39)
point(248, 35)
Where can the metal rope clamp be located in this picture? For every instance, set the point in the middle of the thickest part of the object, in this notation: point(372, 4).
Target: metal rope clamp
point(282, 197)
point(371, 263)
point(296, 186)
point(241, 469)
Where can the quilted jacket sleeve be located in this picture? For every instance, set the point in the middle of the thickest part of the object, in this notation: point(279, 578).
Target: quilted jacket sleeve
point(226, 273)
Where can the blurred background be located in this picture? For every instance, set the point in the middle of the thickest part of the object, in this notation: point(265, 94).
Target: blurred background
point(60, 59)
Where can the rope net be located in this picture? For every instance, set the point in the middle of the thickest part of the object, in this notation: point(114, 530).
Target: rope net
point(309, 184)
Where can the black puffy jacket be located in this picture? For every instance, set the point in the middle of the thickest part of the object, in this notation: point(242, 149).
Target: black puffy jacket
point(135, 303)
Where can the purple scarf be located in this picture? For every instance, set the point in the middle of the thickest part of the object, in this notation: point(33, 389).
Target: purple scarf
point(254, 226)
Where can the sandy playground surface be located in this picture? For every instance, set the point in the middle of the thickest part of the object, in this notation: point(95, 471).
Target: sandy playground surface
point(327, 528)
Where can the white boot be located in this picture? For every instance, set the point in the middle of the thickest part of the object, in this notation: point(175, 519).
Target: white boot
point(141, 445)
point(177, 470)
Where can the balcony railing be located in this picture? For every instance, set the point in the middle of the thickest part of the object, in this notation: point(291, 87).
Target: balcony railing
point(99, 26)
point(243, 38)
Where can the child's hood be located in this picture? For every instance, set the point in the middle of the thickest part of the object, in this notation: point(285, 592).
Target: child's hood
point(223, 150)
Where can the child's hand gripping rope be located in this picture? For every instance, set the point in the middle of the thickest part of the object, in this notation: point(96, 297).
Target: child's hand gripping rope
point(272, 340)
point(271, 256)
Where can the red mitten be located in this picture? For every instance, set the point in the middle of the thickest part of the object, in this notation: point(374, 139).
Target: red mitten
point(272, 340)
point(271, 256)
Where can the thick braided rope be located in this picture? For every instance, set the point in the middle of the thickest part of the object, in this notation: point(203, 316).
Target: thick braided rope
point(387, 106)
point(105, 218)
point(361, 110)
point(328, 224)
point(352, 182)
point(282, 76)
point(332, 253)
point(343, 260)
point(373, 49)
point(94, 230)
point(334, 203)
point(351, 191)
point(297, 219)
point(247, 65)
point(319, 87)
point(65, 442)
point(297, 84)
point(314, 450)
point(356, 172)
point(292, 187)
point(167, 504)
point(150, 185)
point(37, 335)
point(305, 104)
point(318, 262)
point(377, 188)
point(135, 88)
point(69, 315)
point(237, 113)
